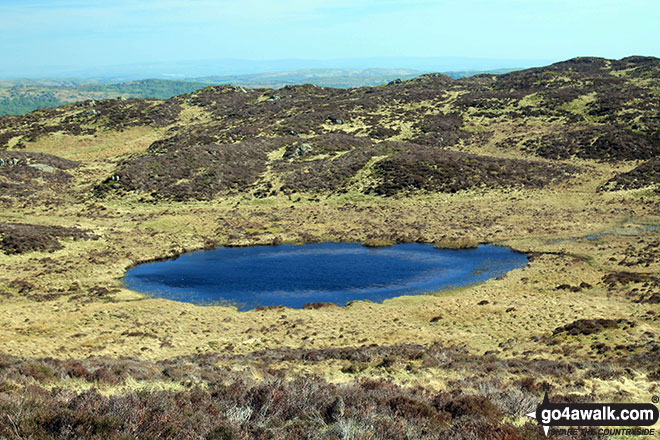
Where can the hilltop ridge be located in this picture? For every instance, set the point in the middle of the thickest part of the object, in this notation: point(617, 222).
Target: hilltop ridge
point(401, 137)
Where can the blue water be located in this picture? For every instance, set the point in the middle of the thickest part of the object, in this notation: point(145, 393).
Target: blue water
point(293, 276)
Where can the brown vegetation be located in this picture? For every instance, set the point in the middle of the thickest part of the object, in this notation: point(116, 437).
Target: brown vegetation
point(18, 238)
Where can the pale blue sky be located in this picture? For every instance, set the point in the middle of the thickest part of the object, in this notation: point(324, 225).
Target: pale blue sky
point(82, 34)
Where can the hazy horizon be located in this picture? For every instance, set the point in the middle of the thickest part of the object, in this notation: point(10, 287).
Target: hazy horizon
point(193, 69)
point(199, 37)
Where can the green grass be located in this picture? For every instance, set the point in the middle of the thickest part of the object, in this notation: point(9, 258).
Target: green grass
point(580, 106)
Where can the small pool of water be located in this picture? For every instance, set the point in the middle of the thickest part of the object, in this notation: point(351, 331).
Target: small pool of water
point(293, 276)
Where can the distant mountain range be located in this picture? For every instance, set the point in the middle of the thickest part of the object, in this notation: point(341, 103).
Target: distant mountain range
point(182, 70)
point(22, 95)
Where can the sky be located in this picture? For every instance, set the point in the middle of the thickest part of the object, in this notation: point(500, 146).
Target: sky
point(38, 34)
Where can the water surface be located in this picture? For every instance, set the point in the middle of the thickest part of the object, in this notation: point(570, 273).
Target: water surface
point(293, 276)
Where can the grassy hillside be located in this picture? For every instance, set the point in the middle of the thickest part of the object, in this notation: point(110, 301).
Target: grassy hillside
point(559, 162)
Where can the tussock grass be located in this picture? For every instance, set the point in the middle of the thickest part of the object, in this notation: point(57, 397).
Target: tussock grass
point(456, 243)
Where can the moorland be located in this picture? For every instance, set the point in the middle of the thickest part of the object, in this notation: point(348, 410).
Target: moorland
point(560, 162)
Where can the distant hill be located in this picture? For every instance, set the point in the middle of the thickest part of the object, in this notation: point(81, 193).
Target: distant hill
point(338, 78)
point(185, 69)
point(467, 73)
point(22, 95)
point(148, 88)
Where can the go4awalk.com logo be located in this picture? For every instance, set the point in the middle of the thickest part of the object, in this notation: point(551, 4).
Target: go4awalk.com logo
point(637, 415)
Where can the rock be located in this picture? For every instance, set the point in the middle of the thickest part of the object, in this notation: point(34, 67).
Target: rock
point(301, 150)
point(42, 167)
